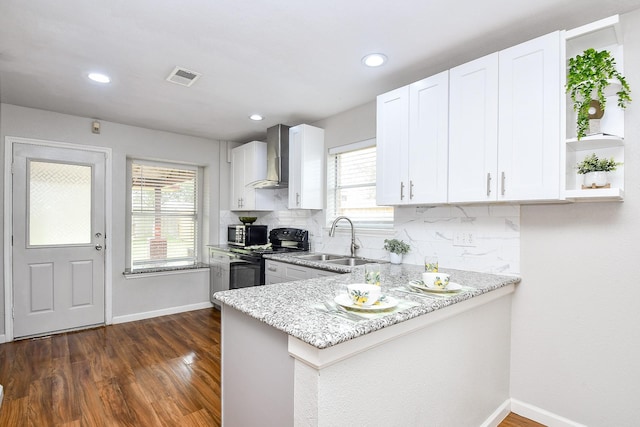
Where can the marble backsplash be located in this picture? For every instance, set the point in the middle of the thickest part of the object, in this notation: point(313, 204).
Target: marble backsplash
point(430, 230)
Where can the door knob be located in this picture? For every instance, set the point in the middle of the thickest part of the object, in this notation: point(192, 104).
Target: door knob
point(98, 247)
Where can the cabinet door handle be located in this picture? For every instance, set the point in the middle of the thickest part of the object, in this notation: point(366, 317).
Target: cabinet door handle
point(411, 190)
point(401, 190)
point(297, 199)
point(502, 184)
point(271, 268)
point(488, 184)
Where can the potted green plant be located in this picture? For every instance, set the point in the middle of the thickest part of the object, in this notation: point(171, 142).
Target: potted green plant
point(588, 76)
point(596, 170)
point(396, 249)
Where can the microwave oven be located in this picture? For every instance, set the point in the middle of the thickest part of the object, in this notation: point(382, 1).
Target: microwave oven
point(247, 235)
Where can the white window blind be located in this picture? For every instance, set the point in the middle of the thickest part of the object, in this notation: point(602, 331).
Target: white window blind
point(352, 187)
point(164, 215)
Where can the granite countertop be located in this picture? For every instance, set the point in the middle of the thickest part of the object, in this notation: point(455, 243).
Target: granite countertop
point(292, 307)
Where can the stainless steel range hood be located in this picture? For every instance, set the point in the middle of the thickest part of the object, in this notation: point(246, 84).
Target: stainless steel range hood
point(277, 159)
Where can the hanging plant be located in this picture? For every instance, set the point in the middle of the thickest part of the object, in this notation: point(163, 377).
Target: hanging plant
point(589, 74)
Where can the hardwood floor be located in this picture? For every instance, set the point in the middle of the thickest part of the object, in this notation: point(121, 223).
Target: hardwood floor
point(515, 420)
point(157, 372)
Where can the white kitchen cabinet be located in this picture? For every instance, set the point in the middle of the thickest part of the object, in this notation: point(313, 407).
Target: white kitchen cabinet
point(529, 117)
point(249, 164)
point(306, 167)
point(278, 272)
point(504, 134)
point(473, 130)
point(412, 138)
point(392, 140)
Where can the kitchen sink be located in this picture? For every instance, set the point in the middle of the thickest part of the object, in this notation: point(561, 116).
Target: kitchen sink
point(319, 257)
point(351, 261)
point(336, 259)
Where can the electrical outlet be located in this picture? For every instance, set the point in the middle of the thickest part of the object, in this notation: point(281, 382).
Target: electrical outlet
point(466, 238)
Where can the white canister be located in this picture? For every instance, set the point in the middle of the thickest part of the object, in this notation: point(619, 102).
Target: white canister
point(599, 179)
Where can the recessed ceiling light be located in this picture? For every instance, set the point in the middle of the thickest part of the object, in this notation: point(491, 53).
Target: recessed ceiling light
point(374, 59)
point(100, 78)
point(256, 117)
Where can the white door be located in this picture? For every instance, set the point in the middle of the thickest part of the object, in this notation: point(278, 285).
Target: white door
point(58, 239)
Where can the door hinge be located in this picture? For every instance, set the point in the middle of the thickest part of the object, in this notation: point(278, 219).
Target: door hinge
point(13, 312)
point(12, 168)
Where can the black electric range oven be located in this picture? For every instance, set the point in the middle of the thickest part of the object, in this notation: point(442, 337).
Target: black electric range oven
point(235, 267)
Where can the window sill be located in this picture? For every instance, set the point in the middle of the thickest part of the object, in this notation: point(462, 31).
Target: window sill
point(163, 271)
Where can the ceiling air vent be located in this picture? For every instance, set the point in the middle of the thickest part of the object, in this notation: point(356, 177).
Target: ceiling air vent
point(184, 77)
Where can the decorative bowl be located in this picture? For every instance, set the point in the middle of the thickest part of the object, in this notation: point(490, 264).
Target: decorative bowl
point(247, 219)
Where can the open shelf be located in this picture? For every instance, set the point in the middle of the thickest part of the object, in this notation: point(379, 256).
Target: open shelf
point(604, 34)
point(595, 195)
point(594, 142)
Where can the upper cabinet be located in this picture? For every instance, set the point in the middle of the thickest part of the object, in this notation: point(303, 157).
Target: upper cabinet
point(249, 164)
point(504, 135)
point(529, 117)
point(488, 130)
point(306, 167)
point(473, 130)
point(412, 138)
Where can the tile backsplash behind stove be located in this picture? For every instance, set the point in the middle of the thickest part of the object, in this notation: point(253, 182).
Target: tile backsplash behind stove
point(484, 238)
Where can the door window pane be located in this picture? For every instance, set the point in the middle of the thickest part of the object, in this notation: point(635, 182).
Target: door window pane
point(59, 204)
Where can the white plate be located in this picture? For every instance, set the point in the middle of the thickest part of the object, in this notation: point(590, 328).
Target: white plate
point(419, 284)
point(386, 303)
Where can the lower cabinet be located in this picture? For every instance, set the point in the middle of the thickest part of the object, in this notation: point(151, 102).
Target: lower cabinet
point(278, 272)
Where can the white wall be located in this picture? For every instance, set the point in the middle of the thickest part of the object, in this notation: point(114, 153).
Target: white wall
point(576, 314)
point(130, 297)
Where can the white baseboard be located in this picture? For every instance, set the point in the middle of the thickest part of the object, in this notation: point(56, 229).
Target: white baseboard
point(498, 415)
point(157, 313)
point(3, 339)
point(540, 415)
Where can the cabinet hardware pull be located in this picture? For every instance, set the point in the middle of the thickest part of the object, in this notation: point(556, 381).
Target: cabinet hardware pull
point(488, 184)
point(411, 189)
point(502, 184)
point(401, 190)
point(297, 199)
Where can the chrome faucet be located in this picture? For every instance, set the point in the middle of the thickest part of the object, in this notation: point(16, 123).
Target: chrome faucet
point(353, 234)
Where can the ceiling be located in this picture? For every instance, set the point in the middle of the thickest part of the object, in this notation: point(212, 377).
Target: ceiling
point(293, 61)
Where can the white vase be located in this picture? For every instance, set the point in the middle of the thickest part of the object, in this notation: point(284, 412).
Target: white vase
point(599, 179)
point(395, 258)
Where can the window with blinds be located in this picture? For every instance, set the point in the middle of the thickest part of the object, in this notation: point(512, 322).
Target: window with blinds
point(164, 215)
point(352, 186)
